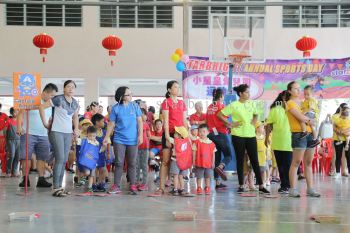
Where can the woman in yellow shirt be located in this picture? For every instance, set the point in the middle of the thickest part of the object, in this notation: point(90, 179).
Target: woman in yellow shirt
point(341, 124)
point(244, 117)
point(302, 148)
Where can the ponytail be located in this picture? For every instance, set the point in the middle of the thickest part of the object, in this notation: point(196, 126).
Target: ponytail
point(167, 94)
point(169, 85)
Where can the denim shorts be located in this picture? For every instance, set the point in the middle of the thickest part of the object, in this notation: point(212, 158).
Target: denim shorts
point(155, 151)
point(303, 143)
point(39, 145)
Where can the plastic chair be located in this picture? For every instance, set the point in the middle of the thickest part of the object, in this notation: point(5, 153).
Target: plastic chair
point(326, 159)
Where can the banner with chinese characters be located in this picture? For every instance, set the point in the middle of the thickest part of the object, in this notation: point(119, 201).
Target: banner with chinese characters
point(330, 78)
point(26, 91)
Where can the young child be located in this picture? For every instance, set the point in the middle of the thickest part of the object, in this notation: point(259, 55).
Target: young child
point(309, 107)
point(143, 154)
point(262, 152)
point(101, 172)
point(156, 146)
point(79, 180)
point(194, 133)
point(178, 175)
point(12, 145)
point(204, 159)
point(88, 156)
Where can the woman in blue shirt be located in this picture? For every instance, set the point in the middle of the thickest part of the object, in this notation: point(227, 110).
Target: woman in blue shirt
point(126, 121)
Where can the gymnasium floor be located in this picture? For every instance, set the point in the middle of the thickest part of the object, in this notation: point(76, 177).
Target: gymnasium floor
point(224, 211)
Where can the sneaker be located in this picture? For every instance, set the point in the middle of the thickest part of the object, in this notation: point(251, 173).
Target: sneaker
point(241, 190)
point(23, 181)
point(303, 135)
point(71, 171)
point(337, 176)
point(114, 189)
point(264, 190)
point(207, 191)
point(345, 175)
point(89, 192)
point(94, 188)
point(199, 191)
point(268, 183)
point(142, 187)
point(182, 192)
point(102, 187)
point(186, 178)
point(283, 190)
point(314, 143)
point(42, 183)
point(312, 193)
point(220, 186)
point(133, 189)
point(301, 177)
point(174, 192)
point(332, 173)
point(221, 172)
point(294, 193)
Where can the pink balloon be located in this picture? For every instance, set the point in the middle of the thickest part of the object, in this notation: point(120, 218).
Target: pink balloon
point(185, 58)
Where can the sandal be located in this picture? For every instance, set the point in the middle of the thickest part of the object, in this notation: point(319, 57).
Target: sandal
point(59, 193)
point(159, 192)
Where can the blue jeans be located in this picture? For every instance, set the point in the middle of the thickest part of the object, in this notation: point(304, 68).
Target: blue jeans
point(222, 144)
point(61, 143)
point(12, 148)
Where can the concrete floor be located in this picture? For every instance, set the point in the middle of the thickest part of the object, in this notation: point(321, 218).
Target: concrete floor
point(223, 211)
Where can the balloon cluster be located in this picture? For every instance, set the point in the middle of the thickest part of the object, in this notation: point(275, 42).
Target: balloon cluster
point(180, 59)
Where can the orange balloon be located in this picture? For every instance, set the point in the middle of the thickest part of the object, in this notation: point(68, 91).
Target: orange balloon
point(179, 52)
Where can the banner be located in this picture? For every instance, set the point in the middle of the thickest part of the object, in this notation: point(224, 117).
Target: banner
point(26, 91)
point(330, 78)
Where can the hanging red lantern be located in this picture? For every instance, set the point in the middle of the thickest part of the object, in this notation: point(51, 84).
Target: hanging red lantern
point(306, 44)
point(112, 43)
point(43, 41)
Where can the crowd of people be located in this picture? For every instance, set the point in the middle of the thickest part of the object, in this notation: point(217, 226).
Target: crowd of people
point(131, 138)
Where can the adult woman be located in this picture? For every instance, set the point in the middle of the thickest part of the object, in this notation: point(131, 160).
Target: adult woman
point(94, 108)
point(198, 117)
point(218, 134)
point(65, 112)
point(244, 117)
point(174, 114)
point(341, 123)
point(125, 120)
point(302, 148)
point(281, 144)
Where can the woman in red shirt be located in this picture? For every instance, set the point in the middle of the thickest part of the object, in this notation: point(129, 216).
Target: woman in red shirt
point(174, 114)
point(198, 117)
point(219, 135)
point(94, 108)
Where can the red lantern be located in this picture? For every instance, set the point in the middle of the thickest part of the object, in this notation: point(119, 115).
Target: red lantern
point(43, 41)
point(306, 44)
point(112, 43)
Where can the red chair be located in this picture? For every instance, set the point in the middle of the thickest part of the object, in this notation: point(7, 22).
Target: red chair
point(3, 154)
point(315, 161)
point(325, 159)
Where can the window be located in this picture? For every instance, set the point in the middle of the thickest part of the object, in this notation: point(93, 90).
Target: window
point(200, 14)
point(136, 16)
point(335, 15)
point(44, 15)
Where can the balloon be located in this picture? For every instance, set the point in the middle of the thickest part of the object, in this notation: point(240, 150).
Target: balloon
point(179, 52)
point(180, 66)
point(175, 57)
point(185, 58)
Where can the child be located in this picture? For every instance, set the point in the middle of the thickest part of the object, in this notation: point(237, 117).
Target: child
point(178, 175)
point(142, 158)
point(156, 146)
point(12, 145)
point(88, 156)
point(194, 133)
point(310, 109)
point(99, 122)
point(84, 125)
point(204, 159)
point(262, 152)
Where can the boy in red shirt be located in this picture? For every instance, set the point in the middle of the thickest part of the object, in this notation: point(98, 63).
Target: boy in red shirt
point(143, 152)
point(12, 145)
point(204, 159)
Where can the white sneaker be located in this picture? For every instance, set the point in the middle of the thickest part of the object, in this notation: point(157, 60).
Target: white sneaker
point(268, 183)
point(337, 176)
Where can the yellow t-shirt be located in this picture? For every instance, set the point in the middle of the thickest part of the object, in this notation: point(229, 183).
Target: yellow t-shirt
point(260, 140)
point(310, 105)
point(243, 113)
point(340, 123)
point(295, 126)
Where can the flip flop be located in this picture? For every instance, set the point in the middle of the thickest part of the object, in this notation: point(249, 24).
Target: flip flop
point(248, 195)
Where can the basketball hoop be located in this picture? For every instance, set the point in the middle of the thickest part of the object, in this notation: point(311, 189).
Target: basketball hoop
point(237, 59)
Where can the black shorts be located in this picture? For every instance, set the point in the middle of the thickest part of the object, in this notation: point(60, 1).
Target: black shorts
point(164, 140)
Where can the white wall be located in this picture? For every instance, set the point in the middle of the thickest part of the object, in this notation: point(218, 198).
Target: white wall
point(145, 54)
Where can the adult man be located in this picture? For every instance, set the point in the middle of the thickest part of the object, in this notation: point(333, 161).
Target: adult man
point(38, 142)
